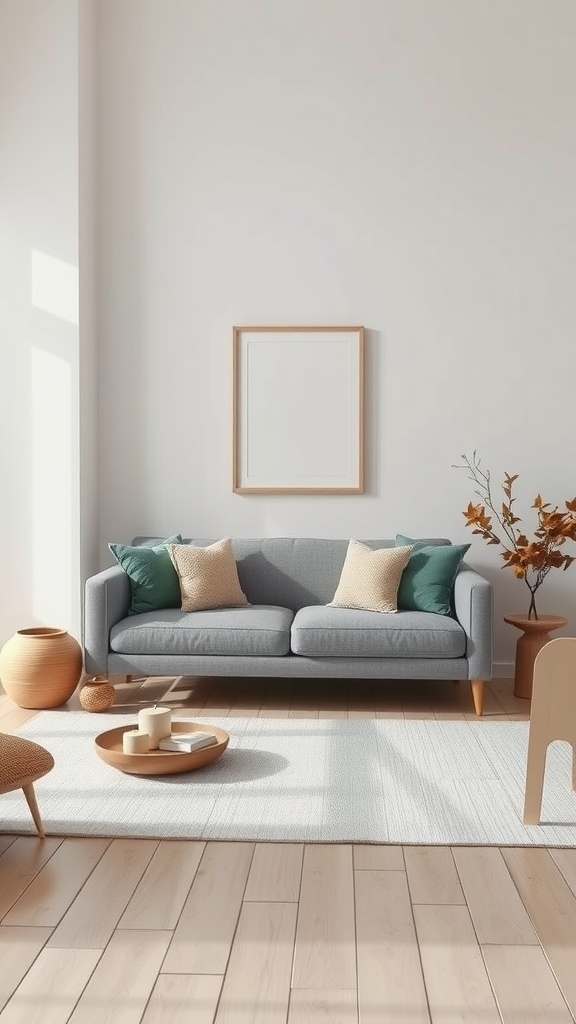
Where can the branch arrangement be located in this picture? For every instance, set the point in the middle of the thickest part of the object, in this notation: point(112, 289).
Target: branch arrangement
point(530, 560)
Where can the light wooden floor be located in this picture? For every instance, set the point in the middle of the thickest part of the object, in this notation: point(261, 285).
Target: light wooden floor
point(121, 931)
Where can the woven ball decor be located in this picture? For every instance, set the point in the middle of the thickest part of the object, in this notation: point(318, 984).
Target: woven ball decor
point(97, 694)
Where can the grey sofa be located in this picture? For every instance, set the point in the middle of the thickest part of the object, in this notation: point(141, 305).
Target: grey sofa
point(287, 630)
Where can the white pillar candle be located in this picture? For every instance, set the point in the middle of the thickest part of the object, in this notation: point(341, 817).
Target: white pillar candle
point(135, 742)
point(157, 722)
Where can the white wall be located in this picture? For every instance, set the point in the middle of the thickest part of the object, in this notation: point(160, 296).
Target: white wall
point(404, 165)
point(408, 166)
point(39, 440)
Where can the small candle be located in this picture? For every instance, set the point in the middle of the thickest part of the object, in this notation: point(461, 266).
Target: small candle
point(135, 742)
point(157, 722)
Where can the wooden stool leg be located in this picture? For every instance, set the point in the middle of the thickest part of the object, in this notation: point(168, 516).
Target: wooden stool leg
point(32, 804)
point(537, 748)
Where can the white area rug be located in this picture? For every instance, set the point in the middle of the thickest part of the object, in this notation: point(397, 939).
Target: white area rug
point(332, 780)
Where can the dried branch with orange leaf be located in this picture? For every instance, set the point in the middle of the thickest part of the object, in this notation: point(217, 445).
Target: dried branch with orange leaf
point(530, 560)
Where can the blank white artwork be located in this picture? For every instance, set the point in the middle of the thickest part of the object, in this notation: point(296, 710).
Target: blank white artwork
point(298, 407)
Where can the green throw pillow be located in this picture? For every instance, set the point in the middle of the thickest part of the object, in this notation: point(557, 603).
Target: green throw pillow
point(427, 581)
point(153, 579)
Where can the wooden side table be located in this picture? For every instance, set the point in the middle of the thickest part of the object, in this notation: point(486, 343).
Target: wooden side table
point(535, 633)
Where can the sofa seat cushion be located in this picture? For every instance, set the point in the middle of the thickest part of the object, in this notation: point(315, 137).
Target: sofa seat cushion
point(320, 632)
point(251, 631)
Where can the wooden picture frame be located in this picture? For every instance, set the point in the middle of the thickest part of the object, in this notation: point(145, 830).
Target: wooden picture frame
point(298, 410)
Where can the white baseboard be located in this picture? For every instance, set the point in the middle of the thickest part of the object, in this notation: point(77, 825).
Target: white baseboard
point(503, 670)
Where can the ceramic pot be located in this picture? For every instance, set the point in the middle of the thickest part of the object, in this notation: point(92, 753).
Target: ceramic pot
point(97, 694)
point(40, 667)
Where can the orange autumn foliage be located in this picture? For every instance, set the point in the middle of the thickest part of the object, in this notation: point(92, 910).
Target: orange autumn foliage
point(530, 559)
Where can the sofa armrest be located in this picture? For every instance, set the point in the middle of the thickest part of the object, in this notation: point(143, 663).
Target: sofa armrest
point(473, 608)
point(106, 601)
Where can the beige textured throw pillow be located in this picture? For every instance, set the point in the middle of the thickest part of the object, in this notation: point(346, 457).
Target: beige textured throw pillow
point(208, 576)
point(370, 578)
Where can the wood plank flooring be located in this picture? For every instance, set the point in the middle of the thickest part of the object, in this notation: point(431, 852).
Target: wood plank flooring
point(120, 931)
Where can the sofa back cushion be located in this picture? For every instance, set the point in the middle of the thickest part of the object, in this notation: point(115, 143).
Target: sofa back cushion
point(291, 572)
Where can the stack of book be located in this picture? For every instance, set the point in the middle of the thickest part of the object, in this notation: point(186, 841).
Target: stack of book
point(187, 741)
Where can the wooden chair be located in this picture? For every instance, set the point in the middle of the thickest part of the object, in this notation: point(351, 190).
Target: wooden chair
point(22, 763)
point(552, 717)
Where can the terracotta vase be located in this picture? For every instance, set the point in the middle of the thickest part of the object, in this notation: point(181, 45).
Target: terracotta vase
point(40, 667)
point(97, 694)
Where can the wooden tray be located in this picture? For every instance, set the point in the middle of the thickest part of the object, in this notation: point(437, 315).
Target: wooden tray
point(108, 746)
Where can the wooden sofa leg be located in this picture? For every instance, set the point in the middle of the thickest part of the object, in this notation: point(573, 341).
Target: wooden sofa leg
point(477, 694)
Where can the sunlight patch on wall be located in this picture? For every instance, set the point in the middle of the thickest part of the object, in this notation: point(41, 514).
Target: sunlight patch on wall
point(55, 286)
point(51, 464)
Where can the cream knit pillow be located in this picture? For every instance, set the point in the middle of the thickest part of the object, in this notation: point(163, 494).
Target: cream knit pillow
point(370, 578)
point(208, 576)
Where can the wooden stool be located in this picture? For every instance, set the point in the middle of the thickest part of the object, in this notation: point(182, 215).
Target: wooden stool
point(21, 764)
point(552, 717)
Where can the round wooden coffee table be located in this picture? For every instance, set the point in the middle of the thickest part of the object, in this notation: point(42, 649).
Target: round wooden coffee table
point(535, 633)
point(108, 746)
